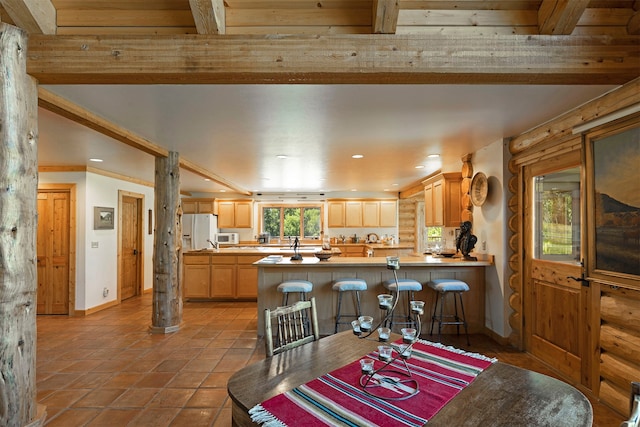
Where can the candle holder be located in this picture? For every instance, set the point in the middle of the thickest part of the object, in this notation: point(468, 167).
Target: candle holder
point(393, 357)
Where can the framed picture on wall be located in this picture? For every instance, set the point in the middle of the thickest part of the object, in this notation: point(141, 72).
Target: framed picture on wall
point(615, 223)
point(103, 218)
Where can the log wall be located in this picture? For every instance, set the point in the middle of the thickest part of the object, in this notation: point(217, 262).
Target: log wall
point(619, 345)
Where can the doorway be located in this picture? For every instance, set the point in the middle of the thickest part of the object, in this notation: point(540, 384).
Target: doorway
point(556, 300)
point(130, 245)
point(55, 246)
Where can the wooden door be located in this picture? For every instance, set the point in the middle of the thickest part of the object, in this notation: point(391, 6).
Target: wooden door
point(53, 252)
point(556, 304)
point(130, 246)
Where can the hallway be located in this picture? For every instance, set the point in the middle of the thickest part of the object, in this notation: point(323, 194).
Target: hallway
point(107, 370)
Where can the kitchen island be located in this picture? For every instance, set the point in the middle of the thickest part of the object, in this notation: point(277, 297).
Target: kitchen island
point(273, 271)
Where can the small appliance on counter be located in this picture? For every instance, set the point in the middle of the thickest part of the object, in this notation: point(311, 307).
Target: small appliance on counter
point(227, 238)
point(264, 238)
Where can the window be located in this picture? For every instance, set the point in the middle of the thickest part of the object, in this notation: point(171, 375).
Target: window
point(284, 221)
point(557, 215)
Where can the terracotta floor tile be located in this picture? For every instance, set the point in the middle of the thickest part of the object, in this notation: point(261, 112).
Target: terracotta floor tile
point(99, 398)
point(114, 417)
point(190, 417)
point(156, 417)
point(135, 398)
point(172, 397)
point(200, 365)
point(71, 417)
point(208, 398)
point(154, 380)
point(91, 380)
point(188, 379)
point(171, 365)
point(64, 398)
point(223, 419)
point(217, 379)
point(123, 380)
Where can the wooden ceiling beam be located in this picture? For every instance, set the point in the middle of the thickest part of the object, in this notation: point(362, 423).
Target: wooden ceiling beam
point(209, 16)
point(385, 16)
point(370, 59)
point(33, 16)
point(560, 17)
point(65, 108)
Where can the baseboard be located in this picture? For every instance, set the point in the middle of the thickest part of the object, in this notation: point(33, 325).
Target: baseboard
point(95, 309)
point(497, 338)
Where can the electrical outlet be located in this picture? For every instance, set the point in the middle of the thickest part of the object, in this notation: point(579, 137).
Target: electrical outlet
point(94, 245)
point(105, 292)
point(484, 245)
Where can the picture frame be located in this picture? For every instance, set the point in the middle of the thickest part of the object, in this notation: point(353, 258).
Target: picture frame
point(103, 218)
point(612, 158)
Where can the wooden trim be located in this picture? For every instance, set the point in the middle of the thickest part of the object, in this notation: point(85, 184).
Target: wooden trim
point(382, 59)
point(97, 308)
point(209, 16)
point(35, 17)
point(71, 188)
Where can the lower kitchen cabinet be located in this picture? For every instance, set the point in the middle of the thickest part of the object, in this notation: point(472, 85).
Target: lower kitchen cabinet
point(220, 277)
point(351, 250)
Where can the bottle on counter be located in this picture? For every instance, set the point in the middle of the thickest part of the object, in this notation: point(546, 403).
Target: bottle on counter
point(326, 243)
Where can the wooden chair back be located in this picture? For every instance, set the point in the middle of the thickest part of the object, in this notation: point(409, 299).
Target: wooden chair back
point(290, 326)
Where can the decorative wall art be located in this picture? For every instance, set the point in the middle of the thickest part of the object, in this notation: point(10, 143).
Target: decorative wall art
point(616, 203)
point(103, 218)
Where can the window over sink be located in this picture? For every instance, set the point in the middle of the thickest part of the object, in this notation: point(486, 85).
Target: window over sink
point(291, 221)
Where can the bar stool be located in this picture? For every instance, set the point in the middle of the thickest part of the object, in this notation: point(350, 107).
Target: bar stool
point(343, 285)
point(408, 287)
point(302, 287)
point(444, 287)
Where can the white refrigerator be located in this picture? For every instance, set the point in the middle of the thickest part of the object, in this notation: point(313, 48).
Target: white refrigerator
point(197, 229)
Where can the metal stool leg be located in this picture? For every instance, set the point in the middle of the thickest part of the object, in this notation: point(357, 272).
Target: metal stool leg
point(464, 318)
point(358, 310)
point(433, 317)
point(335, 331)
point(442, 302)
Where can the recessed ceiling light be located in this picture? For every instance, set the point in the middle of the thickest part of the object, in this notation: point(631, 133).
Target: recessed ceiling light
point(223, 191)
point(354, 189)
point(281, 156)
point(395, 185)
point(419, 167)
point(207, 179)
point(433, 156)
point(95, 159)
point(357, 156)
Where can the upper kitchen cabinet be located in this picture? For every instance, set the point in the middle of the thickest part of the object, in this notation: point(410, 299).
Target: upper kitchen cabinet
point(235, 213)
point(198, 205)
point(362, 213)
point(442, 200)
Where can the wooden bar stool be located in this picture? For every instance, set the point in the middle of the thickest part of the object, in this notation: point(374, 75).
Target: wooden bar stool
point(408, 287)
point(343, 285)
point(302, 287)
point(444, 287)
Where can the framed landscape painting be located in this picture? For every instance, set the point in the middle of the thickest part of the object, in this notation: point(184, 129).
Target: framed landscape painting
point(616, 202)
point(103, 218)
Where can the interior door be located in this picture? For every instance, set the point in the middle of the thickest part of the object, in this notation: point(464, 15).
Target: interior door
point(53, 252)
point(556, 297)
point(130, 250)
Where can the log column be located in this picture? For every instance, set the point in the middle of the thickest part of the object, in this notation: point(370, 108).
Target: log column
point(167, 247)
point(18, 225)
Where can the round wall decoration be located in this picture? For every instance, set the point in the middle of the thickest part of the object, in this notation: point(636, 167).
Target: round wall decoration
point(479, 189)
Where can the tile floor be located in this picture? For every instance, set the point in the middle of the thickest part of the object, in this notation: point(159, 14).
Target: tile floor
point(106, 369)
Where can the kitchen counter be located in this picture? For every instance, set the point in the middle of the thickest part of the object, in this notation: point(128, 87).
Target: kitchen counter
point(305, 251)
point(423, 268)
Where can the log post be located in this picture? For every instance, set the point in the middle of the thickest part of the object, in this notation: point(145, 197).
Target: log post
point(167, 247)
point(18, 226)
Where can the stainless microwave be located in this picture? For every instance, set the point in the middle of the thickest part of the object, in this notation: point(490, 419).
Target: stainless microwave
point(227, 238)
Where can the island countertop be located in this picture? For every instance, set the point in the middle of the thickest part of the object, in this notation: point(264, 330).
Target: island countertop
point(415, 260)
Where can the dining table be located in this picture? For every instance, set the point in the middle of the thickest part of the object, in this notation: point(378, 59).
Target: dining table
point(501, 395)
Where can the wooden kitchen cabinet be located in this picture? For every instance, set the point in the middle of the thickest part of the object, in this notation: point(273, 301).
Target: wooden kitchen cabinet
point(198, 205)
point(196, 276)
point(442, 200)
point(220, 277)
point(361, 213)
point(351, 250)
point(335, 214)
point(235, 213)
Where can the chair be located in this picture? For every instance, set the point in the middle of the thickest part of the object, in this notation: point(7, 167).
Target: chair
point(634, 418)
point(289, 324)
point(302, 287)
point(408, 287)
point(348, 285)
point(444, 287)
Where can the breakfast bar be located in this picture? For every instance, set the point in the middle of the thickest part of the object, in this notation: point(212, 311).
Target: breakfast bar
point(274, 270)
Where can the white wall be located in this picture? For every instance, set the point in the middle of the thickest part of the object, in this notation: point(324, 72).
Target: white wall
point(490, 226)
point(97, 268)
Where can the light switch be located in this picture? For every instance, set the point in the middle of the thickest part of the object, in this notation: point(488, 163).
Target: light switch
point(94, 245)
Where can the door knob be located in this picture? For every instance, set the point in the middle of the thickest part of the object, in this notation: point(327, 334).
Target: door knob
point(135, 252)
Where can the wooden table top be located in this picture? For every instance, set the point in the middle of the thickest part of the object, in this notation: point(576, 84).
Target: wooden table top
point(502, 395)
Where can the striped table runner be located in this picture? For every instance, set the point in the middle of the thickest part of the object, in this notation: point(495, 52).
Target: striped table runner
point(337, 399)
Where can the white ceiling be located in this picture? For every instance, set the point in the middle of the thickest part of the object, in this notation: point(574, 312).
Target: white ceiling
point(236, 131)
